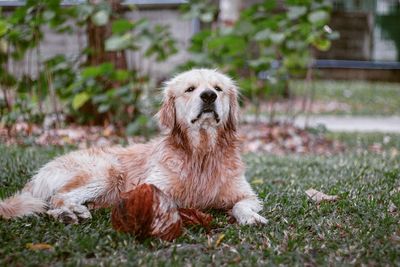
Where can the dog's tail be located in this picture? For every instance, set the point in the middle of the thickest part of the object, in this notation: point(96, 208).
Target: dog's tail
point(23, 203)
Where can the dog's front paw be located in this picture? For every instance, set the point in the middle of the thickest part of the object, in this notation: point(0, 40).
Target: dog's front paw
point(248, 217)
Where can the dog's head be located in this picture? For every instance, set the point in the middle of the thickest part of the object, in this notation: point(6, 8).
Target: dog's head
point(199, 98)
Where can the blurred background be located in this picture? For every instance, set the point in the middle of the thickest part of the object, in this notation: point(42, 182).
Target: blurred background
point(310, 71)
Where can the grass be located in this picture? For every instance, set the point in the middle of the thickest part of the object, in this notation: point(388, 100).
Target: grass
point(357, 229)
point(362, 97)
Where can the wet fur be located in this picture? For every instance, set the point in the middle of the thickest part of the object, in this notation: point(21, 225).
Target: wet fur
point(199, 165)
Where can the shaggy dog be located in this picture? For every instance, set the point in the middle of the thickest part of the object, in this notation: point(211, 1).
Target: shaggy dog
point(196, 161)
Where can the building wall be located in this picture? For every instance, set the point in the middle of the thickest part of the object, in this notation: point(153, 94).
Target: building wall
point(72, 44)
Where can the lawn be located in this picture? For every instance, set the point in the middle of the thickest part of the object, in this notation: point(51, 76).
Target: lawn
point(357, 229)
point(360, 97)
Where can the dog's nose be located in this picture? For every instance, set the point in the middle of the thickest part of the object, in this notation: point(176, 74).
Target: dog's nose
point(208, 96)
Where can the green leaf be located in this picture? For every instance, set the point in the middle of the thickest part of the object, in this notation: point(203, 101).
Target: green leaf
point(101, 98)
point(262, 62)
point(95, 71)
point(3, 46)
point(277, 37)
point(84, 11)
point(207, 17)
point(92, 71)
point(3, 27)
point(100, 18)
point(79, 100)
point(262, 35)
point(121, 75)
point(48, 15)
point(121, 26)
point(116, 43)
point(295, 12)
point(103, 108)
point(269, 5)
point(135, 127)
point(322, 44)
point(244, 28)
point(318, 17)
point(106, 68)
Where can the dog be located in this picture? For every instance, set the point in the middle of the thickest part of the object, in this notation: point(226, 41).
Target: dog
point(196, 160)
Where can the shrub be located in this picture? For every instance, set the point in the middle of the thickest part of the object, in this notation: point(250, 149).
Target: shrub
point(96, 86)
point(266, 47)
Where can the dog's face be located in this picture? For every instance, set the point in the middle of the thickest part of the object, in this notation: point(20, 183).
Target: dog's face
point(199, 98)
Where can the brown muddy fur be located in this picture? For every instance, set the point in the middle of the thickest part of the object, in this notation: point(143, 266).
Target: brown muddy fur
point(77, 181)
point(147, 212)
point(167, 114)
point(116, 183)
point(57, 202)
point(207, 168)
point(134, 161)
point(199, 176)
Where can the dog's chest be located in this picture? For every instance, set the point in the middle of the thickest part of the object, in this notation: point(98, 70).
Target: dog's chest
point(195, 191)
point(194, 186)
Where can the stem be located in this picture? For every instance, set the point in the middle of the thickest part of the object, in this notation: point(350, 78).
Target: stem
point(38, 54)
point(53, 98)
point(311, 95)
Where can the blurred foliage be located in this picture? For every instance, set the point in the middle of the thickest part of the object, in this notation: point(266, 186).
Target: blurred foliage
point(390, 26)
point(112, 91)
point(266, 47)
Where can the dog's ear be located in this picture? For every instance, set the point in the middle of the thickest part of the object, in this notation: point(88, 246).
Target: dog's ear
point(166, 115)
point(233, 116)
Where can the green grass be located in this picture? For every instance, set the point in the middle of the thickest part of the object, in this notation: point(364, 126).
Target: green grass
point(356, 230)
point(363, 97)
point(357, 142)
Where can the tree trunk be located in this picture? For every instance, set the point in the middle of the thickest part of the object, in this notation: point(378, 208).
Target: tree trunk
point(97, 35)
point(229, 12)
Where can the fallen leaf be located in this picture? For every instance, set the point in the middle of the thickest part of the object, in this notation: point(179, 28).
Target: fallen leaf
point(38, 246)
point(395, 191)
point(195, 217)
point(392, 207)
point(257, 181)
point(318, 197)
point(394, 153)
point(219, 240)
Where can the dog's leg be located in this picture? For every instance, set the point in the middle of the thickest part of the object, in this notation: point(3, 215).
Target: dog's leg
point(69, 208)
point(90, 176)
point(246, 205)
point(245, 211)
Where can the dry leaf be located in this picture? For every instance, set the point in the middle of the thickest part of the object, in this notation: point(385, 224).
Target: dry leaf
point(219, 240)
point(395, 191)
point(38, 246)
point(318, 197)
point(147, 212)
point(195, 217)
point(257, 181)
point(392, 207)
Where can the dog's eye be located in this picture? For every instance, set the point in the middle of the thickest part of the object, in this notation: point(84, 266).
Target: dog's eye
point(190, 89)
point(217, 88)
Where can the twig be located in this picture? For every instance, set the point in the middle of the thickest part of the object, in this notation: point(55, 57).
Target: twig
point(311, 96)
point(53, 97)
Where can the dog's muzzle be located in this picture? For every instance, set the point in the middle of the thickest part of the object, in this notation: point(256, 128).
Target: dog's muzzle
point(207, 109)
point(208, 97)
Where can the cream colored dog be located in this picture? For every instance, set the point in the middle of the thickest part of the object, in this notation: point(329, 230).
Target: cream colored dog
point(196, 161)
